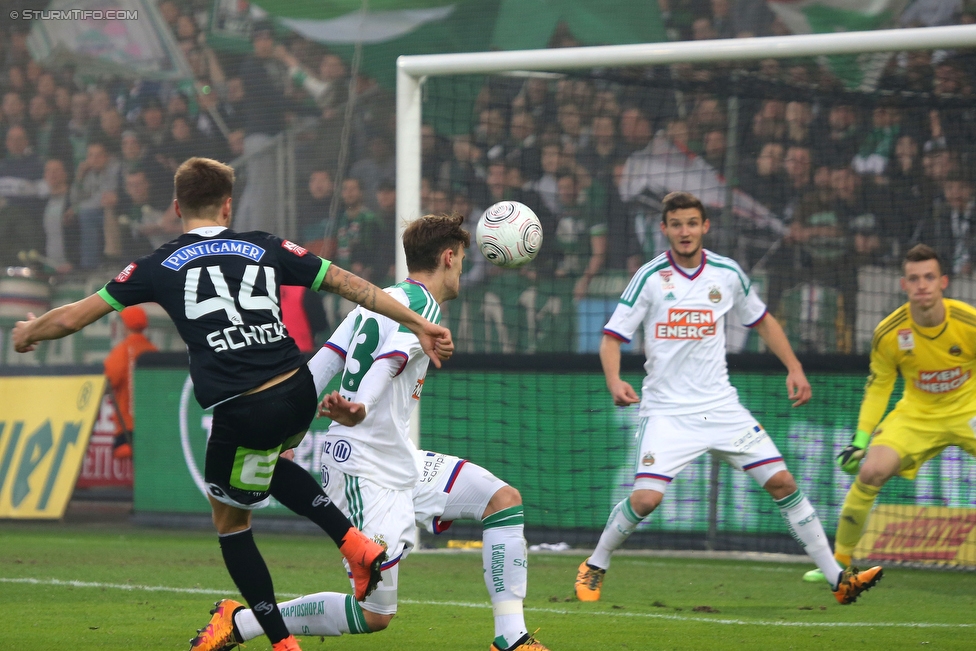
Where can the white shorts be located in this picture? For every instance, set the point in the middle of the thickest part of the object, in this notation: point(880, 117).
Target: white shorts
point(669, 443)
point(451, 488)
point(383, 514)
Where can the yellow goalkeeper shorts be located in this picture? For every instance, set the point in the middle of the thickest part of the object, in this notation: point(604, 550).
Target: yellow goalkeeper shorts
point(917, 438)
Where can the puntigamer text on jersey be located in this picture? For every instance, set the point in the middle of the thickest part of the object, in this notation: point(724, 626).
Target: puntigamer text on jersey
point(181, 256)
point(221, 290)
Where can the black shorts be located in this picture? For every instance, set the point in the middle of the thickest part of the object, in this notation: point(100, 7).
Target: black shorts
point(249, 432)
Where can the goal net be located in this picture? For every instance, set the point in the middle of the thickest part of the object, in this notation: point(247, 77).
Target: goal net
point(820, 159)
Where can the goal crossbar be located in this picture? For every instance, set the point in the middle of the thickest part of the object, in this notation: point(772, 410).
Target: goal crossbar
point(412, 70)
point(730, 49)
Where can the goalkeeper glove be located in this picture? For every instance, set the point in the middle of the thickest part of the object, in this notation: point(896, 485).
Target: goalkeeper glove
point(850, 457)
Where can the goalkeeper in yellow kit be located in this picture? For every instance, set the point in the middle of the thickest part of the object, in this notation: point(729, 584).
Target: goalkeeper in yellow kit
point(931, 341)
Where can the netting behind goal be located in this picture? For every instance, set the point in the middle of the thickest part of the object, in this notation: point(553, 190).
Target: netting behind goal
point(817, 189)
point(818, 174)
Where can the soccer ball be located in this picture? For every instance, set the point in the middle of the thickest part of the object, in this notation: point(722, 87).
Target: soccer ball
point(509, 234)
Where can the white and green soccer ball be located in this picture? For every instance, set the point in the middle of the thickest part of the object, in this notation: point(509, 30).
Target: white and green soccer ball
point(509, 234)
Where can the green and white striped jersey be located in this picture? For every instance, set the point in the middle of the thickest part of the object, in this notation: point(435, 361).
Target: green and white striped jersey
point(379, 448)
point(682, 312)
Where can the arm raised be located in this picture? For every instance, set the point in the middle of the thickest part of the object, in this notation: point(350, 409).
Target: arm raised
point(434, 339)
point(59, 322)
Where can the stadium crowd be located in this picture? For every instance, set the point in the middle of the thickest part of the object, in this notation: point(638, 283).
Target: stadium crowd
point(824, 179)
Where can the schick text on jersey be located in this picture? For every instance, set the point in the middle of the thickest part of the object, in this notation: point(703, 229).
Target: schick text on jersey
point(234, 337)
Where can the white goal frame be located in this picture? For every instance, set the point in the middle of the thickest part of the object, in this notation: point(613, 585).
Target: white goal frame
point(412, 71)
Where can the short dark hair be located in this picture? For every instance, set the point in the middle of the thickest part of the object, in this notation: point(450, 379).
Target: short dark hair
point(679, 201)
point(921, 253)
point(426, 238)
point(202, 183)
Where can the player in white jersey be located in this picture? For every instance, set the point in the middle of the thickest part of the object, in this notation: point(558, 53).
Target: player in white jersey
point(688, 406)
point(374, 473)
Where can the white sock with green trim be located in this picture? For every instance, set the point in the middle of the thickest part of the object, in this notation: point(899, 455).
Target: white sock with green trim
point(621, 523)
point(322, 613)
point(505, 560)
point(806, 529)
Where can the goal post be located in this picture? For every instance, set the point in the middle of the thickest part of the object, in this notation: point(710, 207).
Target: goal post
point(412, 71)
point(550, 403)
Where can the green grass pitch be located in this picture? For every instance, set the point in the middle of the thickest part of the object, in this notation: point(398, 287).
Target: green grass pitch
point(88, 587)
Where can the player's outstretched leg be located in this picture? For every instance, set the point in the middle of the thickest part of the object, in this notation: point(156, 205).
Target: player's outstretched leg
point(805, 527)
point(853, 516)
point(250, 573)
point(326, 614)
point(804, 524)
point(365, 558)
point(622, 522)
point(297, 490)
point(287, 644)
point(854, 582)
point(589, 580)
point(219, 633)
point(505, 559)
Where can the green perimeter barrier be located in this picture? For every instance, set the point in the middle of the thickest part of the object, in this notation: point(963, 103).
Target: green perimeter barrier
point(171, 439)
point(556, 436)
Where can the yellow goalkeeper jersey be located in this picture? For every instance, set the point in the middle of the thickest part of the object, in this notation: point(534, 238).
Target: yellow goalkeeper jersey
point(937, 364)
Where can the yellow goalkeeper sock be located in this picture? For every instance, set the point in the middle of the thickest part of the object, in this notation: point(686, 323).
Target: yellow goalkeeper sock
point(860, 498)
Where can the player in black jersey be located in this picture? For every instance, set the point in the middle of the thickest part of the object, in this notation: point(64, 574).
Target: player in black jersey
point(222, 290)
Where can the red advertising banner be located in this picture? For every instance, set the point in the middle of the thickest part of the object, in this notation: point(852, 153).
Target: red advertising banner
point(101, 469)
point(933, 535)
